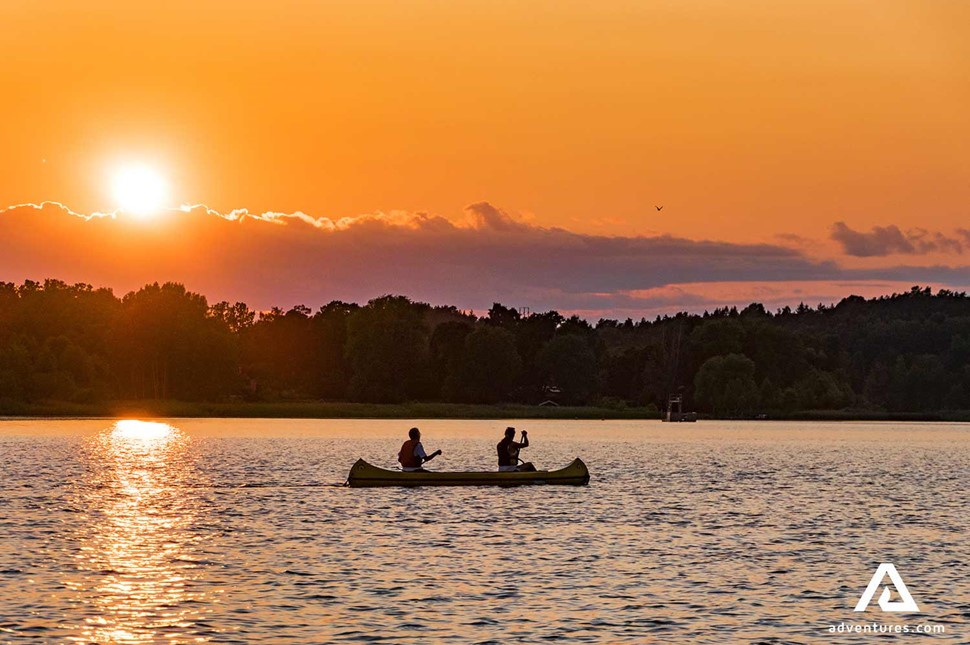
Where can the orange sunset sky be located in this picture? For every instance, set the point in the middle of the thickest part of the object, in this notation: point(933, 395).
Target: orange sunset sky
point(465, 152)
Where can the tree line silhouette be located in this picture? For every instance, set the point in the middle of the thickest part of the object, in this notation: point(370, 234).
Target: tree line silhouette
point(907, 352)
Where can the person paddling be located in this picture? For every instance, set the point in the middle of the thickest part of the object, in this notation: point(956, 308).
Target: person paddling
point(412, 455)
point(508, 452)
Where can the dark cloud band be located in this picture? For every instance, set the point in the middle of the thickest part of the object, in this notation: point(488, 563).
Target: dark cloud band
point(286, 259)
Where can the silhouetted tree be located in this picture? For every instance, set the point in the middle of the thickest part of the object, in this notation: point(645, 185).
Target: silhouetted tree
point(169, 347)
point(568, 362)
point(330, 364)
point(725, 385)
point(489, 365)
point(447, 348)
point(906, 352)
point(387, 344)
point(277, 354)
point(237, 317)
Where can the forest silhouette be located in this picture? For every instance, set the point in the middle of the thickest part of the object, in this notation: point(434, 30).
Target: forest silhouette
point(905, 353)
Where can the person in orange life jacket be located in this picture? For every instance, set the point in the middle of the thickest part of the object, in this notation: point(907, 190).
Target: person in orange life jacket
point(412, 455)
point(508, 452)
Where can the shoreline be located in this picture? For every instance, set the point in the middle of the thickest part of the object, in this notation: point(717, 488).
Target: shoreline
point(342, 410)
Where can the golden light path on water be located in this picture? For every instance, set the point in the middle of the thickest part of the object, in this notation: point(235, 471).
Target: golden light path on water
point(138, 536)
point(236, 530)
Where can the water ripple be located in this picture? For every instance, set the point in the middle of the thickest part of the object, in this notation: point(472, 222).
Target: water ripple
point(236, 531)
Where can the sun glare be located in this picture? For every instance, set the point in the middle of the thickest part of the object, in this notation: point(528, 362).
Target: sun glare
point(142, 430)
point(138, 190)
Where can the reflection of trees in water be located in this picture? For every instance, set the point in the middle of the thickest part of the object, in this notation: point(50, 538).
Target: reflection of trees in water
point(136, 541)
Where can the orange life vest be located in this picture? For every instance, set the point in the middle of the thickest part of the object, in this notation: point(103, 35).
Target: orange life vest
point(406, 456)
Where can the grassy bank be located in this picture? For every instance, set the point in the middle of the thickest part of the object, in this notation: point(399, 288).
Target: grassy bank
point(874, 415)
point(317, 410)
point(340, 410)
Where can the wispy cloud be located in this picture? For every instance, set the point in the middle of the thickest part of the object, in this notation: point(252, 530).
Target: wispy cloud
point(394, 218)
point(58, 205)
point(881, 241)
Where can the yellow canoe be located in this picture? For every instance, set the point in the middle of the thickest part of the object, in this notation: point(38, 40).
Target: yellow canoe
point(364, 475)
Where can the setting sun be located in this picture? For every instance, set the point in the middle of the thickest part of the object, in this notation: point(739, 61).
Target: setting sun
point(139, 190)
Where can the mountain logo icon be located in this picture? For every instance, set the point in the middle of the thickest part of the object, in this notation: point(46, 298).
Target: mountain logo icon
point(906, 602)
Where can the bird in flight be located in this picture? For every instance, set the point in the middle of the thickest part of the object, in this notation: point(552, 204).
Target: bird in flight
point(659, 208)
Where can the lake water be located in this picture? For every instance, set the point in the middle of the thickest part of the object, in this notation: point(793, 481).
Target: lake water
point(234, 531)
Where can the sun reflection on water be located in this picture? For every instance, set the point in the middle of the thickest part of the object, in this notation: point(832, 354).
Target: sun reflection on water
point(136, 551)
point(142, 430)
